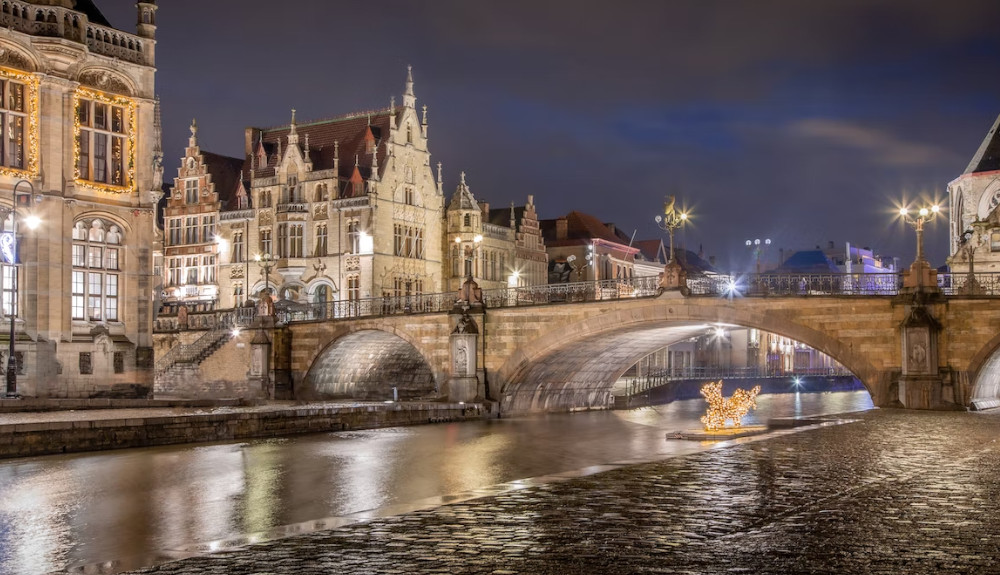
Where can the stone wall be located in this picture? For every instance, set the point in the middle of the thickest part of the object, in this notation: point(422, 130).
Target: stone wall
point(71, 436)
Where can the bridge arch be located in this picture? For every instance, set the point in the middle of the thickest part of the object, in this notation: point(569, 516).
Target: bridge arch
point(575, 365)
point(366, 364)
point(984, 370)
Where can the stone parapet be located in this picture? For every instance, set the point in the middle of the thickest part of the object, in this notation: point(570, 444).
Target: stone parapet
point(48, 437)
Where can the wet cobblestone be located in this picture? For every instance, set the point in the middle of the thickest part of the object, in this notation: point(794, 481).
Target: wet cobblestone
point(896, 492)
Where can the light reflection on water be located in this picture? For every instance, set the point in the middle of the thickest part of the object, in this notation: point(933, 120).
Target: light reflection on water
point(87, 508)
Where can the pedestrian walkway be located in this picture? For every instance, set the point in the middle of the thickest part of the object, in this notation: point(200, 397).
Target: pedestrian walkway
point(894, 492)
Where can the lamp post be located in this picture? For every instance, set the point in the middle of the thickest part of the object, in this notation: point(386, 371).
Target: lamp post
point(266, 262)
point(758, 247)
point(968, 242)
point(8, 246)
point(920, 266)
point(670, 221)
point(469, 252)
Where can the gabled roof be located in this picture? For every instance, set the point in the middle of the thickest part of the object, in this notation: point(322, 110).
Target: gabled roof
point(987, 157)
point(808, 262)
point(343, 137)
point(463, 199)
point(652, 250)
point(580, 227)
point(225, 172)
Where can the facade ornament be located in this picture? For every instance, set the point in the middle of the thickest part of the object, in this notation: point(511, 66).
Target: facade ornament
point(193, 140)
point(15, 59)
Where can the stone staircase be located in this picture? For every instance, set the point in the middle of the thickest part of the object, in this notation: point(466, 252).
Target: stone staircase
point(181, 365)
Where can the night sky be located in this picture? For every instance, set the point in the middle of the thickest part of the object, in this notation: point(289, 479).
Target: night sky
point(802, 122)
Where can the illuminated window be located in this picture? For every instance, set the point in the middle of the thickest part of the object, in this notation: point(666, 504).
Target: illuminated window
point(95, 278)
point(174, 235)
point(102, 140)
point(353, 236)
point(13, 119)
point(265, 241)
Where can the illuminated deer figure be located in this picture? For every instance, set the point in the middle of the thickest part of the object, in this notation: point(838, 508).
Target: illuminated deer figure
point(720, 408)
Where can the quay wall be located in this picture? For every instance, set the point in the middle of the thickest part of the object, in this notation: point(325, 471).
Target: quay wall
point(28, 439)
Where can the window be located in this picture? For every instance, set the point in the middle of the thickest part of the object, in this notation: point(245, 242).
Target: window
point(353, 236)
point(9, 284)
point(995, 242)
point(174, 274)
point(265, 199)
point(408, 241)
point(191, 230)
point(294, 194)
point(321, 240)
point(408, 196)
point(238, 295)
point(265, 241)
point(282, 240)
point(468, 220)
point(191, 191)
point(353, 288)
point(238, 250)
point(102, 141)
point(208, 269)
point(207, 228)
point(13, 118)
point(96, 275)
point(174, 235)
point(296, 240)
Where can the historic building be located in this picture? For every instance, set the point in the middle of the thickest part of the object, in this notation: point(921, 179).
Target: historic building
point(340, 209)
point(581, 248)
point(974, 230)
point(498, 248)
point(79, 158)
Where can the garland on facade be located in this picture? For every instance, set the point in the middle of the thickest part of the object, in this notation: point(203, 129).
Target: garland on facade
point(130, 107)
point(31, 82)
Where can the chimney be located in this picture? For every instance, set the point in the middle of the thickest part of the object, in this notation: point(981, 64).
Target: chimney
point(485, 206)
point(562, 229)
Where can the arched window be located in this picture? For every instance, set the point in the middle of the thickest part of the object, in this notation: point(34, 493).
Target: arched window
point(97, 270)
point(322, 294)
point(468, 220)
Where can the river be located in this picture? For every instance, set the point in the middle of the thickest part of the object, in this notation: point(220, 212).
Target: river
point(65, 511)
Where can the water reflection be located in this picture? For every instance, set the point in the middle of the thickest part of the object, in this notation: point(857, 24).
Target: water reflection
point(87, 508)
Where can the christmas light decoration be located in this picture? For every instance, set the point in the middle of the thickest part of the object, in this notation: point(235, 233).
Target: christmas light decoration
point(129, 105)
point(721, 409)
point(31, 83)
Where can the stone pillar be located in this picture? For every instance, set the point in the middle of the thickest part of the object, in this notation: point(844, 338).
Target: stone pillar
point(674, 278)
point(463, 385)
point(921, 384)
point(259, 376)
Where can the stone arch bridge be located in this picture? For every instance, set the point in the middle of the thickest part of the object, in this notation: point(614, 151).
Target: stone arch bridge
point(567, 354)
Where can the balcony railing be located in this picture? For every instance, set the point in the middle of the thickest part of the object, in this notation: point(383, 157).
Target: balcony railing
point(857, 284)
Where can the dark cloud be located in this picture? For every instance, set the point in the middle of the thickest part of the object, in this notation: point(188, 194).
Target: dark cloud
point(800, 121)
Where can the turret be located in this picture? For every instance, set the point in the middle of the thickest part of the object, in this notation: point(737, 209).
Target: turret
point(146, 26)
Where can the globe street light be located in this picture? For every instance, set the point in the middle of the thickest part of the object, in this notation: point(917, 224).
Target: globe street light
point(920, 266)
point(758, 247)
point(9, 248)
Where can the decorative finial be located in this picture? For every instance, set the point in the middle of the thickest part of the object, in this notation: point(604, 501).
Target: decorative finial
point(424, 121)
point(409, 100)
point(193, 140)
point(307, 142)
point(392, 104)
point(462, 179)
point(439, 173)
point(356, 162)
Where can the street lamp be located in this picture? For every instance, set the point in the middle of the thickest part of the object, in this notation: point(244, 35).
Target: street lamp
point(967, 244)
point(266, 262)
point(8, 247)
point(923, 215)
point(920, 266)
point(469, 252)
point(670, 221)
point(758, 247)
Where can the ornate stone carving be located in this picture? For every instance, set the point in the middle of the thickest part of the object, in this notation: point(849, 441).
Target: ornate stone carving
point(105, 81)
point(353, 263)
point(236, 272)
point(15, 59)
point(264, 218)
point(319, 212)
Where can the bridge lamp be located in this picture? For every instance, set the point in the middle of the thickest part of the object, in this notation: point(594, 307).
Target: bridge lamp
point(797, 381)
point(512, 280)
point(923, 215)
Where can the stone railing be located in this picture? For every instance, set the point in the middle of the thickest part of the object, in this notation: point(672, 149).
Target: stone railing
point(293, 207)
point(236, 215)
point(342, 203)
point(115, 43)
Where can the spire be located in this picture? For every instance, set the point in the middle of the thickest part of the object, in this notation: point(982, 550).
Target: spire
point(424, 121)
point(409, 100)
point(374, 174)
point(440, 182)
point(157, 128)
point(336, 159)
point(193, 140)
point(293, 136)
point(513, 221)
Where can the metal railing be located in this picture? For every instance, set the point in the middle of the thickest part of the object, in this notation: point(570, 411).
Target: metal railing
point(218, 324)
point(492, 299)
point(749, 285)
point(834, 284)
